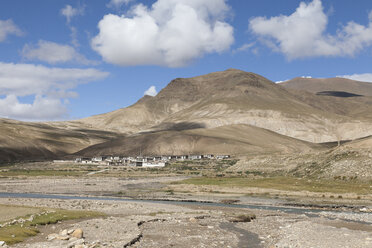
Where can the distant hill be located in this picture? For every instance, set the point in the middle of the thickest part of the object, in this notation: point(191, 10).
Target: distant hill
point(319, 85)
point(38, 141)
point(230, 139)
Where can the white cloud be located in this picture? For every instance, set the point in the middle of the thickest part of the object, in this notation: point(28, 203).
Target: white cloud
point(245, 47)
point(172, 33)
point(54, 53)
point(303, 33)
point(49, 86)
point(364, 77)
point(8, 27)
point(151, 91)
point(43, 108)
point(69, 12)
point(118, 3)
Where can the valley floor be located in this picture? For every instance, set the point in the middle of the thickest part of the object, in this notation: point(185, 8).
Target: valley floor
point(235, 220)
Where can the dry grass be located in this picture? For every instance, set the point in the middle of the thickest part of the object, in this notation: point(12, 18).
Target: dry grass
point(286, 183)
point(19, 232)
point(8, 212)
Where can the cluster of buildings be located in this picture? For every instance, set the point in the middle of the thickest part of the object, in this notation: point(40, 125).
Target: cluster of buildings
point(144, 161)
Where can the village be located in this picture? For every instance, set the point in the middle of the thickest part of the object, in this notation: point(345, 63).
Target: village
point(141, 161)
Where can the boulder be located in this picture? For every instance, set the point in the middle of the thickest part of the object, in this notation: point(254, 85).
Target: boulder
point(193, 220)
point(76, 243)
point(52, 236)
point(78, 233)
point(63, 237)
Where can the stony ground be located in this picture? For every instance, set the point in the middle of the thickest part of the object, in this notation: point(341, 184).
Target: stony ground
point(83, 185)
point(133, 224)
point(151, 224)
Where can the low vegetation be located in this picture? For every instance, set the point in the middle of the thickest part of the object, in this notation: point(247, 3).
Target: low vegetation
point(285, 183)
point(243, 218)
point(18, 232)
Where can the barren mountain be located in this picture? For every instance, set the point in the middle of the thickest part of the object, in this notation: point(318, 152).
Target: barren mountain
point(340, 87)
point(230, 111)
point(230, 139)
point(35, 141)
point(363, 143)
point(238, 97)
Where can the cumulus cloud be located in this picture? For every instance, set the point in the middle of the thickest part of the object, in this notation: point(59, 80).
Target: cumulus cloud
point(170, 33)
point(54, 53)
point(49, 86)
point(69, 12)
point(364, 77)
point(8, 27)
point(42, 108)
point(303, 33)
point(151, 91)
point(118, 3)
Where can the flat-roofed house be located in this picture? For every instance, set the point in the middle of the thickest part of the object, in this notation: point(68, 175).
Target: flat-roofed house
point(195, 157)
point(222, 156)
point(208, 156)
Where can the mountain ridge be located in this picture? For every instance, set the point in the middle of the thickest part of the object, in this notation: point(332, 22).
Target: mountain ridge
point(205, 108)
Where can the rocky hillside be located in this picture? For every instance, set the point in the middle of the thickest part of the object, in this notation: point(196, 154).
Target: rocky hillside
point(238, 97)
point(335, 85)
point(231, 111)
point(35, 141)
point(230, 139)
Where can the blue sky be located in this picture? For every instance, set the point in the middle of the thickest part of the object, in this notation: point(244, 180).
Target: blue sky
point(64, 59)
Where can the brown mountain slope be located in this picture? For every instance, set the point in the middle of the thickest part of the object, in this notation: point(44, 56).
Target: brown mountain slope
point(238, 97)
point(231, 139)
point(30, 141)
point(222, 101)
point(337, 95)
point(293, 113)
point(179, 94)
point(363, 143)
point(316, 85)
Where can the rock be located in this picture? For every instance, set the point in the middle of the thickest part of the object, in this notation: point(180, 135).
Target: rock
point(78, 233)
point(69, 232)
point(52, 236)
point(63, 232)
point(193, 220)
point(63, 237)
point(76, 243)
point(2, 243)
point(31, 218)
point(81, 246)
